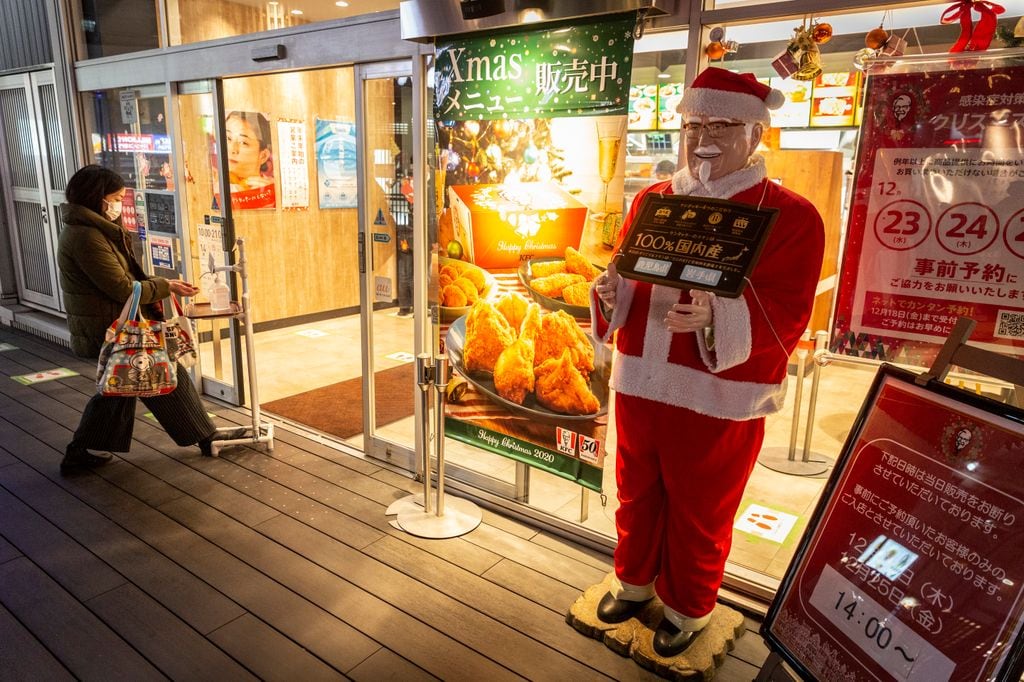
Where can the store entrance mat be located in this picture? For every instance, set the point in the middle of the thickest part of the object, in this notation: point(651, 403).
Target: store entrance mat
point(338, 409)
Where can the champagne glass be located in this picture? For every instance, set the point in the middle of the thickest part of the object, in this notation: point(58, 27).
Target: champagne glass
point(609, 142)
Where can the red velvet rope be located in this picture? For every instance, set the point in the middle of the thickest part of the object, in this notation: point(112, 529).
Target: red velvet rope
point(973, 38)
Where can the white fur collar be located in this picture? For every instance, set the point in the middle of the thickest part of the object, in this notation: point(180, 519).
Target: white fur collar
point(723, 188)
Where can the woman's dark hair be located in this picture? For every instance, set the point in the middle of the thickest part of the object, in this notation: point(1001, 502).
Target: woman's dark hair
point(90, 184)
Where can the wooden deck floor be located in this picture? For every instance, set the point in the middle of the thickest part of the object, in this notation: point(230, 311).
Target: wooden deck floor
point(165, 564)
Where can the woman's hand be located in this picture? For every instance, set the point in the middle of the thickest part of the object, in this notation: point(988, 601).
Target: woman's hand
point(606, 285)
point(182, 288)
point(691, 317)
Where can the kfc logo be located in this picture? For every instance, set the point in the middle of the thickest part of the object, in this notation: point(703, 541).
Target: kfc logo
point(901, 107)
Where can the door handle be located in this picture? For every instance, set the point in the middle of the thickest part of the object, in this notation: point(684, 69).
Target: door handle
point(45, 215)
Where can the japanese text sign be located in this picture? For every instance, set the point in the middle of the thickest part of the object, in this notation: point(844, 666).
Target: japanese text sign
point(910, 567)
point(694, 242)
point(562, 70)
point(936, 226)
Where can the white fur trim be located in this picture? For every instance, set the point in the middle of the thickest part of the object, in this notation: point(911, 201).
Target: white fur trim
point(686, 623)
point(732, 334)
point(628, 592)
point(623, 299)
point(737, 106)
point(657, 338)
point(732, 184)
point(694, 389)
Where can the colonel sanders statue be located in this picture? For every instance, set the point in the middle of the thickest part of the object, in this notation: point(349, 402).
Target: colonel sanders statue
point(695, 374)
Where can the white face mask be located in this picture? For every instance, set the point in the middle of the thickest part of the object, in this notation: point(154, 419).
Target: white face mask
point(113, 210)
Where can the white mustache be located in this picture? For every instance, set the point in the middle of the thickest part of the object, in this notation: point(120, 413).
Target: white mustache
point(708, 149)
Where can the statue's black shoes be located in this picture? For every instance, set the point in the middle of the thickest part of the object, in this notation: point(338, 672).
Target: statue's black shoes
point(612, 610)
point(670, 641)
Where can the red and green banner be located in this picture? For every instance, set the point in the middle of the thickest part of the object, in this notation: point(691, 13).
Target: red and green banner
point(529, 193)
point(936, 227)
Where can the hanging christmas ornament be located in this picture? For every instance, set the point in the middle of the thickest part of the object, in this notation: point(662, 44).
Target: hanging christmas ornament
point(472, 127)
point(863, 58)
point(876, 37)
point(472, 169)
point(801, 59)
point(973, 37)
point(714, 51)
point(821, 33)
point(731, 46)
point(494, 152)
point(453, 159)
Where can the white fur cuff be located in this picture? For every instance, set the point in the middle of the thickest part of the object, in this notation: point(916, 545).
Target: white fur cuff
point(732, 334)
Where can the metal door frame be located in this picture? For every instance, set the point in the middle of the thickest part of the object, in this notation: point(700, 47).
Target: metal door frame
point(373, 445)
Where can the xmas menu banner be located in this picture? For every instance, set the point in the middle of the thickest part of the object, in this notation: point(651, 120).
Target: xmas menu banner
point(910, 568)
point(936, 227)
point(529, 194)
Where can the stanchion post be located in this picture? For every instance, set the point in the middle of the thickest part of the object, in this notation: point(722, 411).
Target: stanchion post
point(424, 378)
point(820, 339)
point(441, 386)
point(801, 367)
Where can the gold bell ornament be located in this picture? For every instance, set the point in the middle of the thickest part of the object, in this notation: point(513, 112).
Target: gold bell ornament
point(810, 55)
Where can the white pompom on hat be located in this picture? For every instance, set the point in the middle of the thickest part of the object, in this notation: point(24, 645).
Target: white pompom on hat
point(718, 93)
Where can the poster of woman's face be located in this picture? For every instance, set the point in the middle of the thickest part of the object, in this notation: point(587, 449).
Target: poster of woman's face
point(247, 144)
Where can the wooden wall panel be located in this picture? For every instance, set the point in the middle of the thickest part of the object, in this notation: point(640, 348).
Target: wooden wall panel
point(192, 21)
point(818, 176)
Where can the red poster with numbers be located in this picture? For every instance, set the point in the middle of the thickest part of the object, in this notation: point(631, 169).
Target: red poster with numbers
point(910, 568)
point(936, 221)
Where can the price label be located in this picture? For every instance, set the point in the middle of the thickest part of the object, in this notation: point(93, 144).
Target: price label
point(878, 633)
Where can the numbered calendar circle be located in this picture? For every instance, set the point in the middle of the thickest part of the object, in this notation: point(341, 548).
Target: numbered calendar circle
point(967, 228)
point(1013, 234)
point(902, 224)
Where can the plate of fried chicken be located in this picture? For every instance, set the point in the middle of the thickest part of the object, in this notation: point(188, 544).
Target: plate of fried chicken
point(561, 283)
point(537, 363)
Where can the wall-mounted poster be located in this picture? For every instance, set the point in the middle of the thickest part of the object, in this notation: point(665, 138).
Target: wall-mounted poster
point(336, 163)
point(294, 164)
point(528, 184)
point(936, 227)
point(249, 147)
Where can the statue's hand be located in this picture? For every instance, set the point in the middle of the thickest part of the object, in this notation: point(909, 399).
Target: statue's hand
point(691, 317)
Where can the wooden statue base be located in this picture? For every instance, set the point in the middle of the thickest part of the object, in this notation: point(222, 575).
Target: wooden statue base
point(634, 637)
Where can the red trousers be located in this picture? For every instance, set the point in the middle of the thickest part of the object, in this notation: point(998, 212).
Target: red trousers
point(681, 477)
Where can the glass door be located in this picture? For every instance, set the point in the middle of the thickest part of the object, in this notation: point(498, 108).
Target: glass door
point(207, 234)
point(386, 243)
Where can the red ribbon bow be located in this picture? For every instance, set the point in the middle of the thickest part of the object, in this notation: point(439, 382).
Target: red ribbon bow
point(973, 38)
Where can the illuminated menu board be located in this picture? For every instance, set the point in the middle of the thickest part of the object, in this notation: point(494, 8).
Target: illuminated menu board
point(669, 97)
point(796, 112)
point(910, 566)
point(643, 107)
point(834, 99)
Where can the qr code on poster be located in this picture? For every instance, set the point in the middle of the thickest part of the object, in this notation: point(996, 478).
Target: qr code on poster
point(1010, 324)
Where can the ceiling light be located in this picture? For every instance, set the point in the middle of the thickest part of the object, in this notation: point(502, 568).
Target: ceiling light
point(531, 15)
point(664, 74)
point(341, 3)
point(297, 12)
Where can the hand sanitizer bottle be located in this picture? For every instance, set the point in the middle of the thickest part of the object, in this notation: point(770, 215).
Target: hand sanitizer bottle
point(220, 296)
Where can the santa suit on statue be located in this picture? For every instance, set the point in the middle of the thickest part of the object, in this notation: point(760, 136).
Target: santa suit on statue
point(691, 401)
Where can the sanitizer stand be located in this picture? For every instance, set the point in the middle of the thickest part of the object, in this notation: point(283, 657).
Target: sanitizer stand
point(258, 433)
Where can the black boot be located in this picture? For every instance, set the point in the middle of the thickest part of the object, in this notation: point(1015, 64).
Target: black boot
point(76, 457)
point(670, 641)
point(206, 444)
point(612, 610)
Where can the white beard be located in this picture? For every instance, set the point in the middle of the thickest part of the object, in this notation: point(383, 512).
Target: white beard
point(704, 172)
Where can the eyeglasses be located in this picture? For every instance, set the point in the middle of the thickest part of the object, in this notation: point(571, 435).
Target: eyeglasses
point(713, 129)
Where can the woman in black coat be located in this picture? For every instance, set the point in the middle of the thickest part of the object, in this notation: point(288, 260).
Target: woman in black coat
point(97, 271)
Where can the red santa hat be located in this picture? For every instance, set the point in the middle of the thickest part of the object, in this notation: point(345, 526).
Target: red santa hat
point(718, 93)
